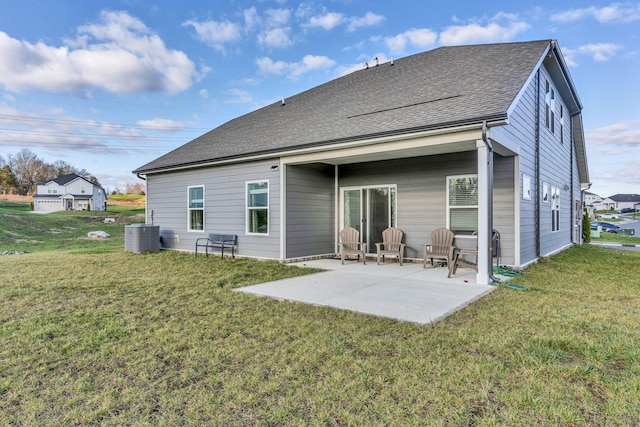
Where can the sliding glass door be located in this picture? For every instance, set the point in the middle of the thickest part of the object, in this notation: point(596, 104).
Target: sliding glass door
point(370, 210)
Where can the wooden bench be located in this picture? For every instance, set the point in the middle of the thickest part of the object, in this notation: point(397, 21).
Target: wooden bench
point(218, 241)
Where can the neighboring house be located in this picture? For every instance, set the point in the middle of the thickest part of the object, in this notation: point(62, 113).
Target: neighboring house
point(605, 205)
point(69, 192)
point(622, 201)
point(597, 203)
point(591, 199)
point(399, 144)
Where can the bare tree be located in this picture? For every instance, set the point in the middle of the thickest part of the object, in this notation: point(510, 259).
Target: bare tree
point(137, 188)
point(28, 170)
point(63, 168)
point(25, 167)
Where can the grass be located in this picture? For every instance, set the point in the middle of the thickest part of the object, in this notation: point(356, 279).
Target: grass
point(25, 231)
point(114, 338)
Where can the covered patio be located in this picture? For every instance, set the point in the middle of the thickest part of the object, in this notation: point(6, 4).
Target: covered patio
point(409, 293)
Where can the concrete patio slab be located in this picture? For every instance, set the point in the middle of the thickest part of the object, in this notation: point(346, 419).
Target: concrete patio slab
point(408, 293)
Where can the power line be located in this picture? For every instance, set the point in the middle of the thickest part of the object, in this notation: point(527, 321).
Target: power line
point(82, 123)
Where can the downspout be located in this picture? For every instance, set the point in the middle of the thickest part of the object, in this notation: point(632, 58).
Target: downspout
point(489, 145)
point(571, 199)
point(537, 166)
point(138, 175)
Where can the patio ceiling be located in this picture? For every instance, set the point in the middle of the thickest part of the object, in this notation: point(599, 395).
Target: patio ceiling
point(395, 148)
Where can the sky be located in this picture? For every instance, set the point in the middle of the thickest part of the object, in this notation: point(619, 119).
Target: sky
point(108, 86)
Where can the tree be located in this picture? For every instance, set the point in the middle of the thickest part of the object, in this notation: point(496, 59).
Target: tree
point(25, 167)
point(63, 168)
point(8, 181)
point(29, 170)
point(135, 188)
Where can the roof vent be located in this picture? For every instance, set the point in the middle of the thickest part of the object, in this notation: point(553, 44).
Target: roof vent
point(391, 61)
point(376, 59)
point(366, 65)
point(283, 103)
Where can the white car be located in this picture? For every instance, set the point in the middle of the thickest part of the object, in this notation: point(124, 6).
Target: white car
point(608, 216)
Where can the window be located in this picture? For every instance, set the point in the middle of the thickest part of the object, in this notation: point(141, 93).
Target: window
point(526, 187)
point(561, 124)
point(550, 105)
point(196, 208)
point(462, 203)
point(258, 207)
point(555, 208)
point(82, 190)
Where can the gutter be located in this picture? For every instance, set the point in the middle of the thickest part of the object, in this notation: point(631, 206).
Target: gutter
point(457, 126)
point(537, 166)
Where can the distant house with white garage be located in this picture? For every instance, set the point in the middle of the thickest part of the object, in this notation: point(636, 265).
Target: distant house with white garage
point(69, 192)
point(597, 203)
point(629, 201)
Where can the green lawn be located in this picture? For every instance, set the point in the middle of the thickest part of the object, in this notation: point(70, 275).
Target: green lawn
point(112, 338)
point(26, 231)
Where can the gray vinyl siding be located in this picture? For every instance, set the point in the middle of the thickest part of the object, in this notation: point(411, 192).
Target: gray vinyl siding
point(555, 170)
point(310, 207)
point(421, 192)
point(225, 206)
point(504, 207)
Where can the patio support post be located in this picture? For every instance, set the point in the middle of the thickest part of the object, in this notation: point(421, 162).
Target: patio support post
point(484, 237)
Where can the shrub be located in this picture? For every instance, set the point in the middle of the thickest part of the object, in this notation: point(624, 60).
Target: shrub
point(586, 227)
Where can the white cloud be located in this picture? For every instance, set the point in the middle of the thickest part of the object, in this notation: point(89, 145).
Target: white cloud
point(502, 27)
point(616, 134)
point(203, 93)
point(294, 70)
point(239, 96)
point(268, 66)
point(275, 38)
point(276, 17)
point(570, 56)
point(368, 20)
point(118, 54)
point(251, 18)
point(57, 132)
point(272, 27)
point(328, 21)
point(162, 125)
point(419, 38)
point(600, 51)
point(216, 34)
point(615, 12)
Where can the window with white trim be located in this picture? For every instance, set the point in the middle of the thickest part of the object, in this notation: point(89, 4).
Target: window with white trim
point(258, 207)
point(555, 208)
point(561, 124)
point(462, 203)
point(195, 208)
point(550, 106)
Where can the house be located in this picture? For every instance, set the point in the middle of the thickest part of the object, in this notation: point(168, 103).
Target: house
point(69, 192)
point(622, 201)
point(465, 137)
point(596, 203)
point(591, 199)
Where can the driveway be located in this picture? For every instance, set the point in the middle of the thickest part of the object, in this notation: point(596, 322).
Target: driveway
point(408, 293)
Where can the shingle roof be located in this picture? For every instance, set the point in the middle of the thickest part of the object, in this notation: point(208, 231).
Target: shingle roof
point(63, 179)
point(435, 89)
point(618, 198)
